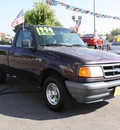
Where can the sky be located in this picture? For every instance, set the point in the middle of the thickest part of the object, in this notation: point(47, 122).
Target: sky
point(10, 9)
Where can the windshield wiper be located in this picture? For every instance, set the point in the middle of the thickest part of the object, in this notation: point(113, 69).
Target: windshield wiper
point(78, 45)
point(51, 44)
point(57, 45)
point(67, 45)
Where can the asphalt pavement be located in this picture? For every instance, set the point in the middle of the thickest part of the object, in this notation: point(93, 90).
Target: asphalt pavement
point(22, 108)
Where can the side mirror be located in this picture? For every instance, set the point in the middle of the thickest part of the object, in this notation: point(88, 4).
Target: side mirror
point(26, 43)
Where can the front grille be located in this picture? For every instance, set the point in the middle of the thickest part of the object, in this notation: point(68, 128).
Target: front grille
point(112, 70)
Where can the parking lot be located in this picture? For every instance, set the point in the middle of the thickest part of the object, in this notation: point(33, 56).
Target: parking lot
point(22, 107)
point(104, 47)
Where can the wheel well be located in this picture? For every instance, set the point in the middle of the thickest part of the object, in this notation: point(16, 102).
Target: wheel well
point(47, 73)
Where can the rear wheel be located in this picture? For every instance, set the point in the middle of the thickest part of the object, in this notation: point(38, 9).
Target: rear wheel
point(96, 46)
point(55, 93)
point(2, 76)
point(101, 47)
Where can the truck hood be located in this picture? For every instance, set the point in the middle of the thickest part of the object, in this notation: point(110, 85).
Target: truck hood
point(88, 56)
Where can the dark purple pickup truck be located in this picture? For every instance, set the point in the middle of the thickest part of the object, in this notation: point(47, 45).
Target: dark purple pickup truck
point(57, 60)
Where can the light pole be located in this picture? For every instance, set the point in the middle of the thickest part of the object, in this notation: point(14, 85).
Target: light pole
point(94, 16)
point(79, 19)
point(0, 37)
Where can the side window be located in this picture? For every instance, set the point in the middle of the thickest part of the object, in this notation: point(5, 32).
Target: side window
point(24, 35)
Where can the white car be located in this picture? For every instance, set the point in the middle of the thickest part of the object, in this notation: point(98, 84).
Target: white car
point(114, 48)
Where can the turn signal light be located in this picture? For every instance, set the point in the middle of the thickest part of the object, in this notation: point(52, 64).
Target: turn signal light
point(90, 72)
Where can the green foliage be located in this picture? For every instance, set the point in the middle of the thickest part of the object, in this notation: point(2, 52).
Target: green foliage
point(100, 35)
point(109, 37)
point(115, 32)
point(41, 14)
point(5, 43)
point(16, 28)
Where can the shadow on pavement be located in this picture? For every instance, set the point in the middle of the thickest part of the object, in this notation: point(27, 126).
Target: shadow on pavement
point(21, 99)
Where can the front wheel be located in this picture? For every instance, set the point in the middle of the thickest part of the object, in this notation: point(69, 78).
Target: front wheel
point(96, 46)
point(55, 93)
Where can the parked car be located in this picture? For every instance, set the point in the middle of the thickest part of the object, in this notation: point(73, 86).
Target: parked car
point(56, 60)
point(114, 47)
point(92, 40)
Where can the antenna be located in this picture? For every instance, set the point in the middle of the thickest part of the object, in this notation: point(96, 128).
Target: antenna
point(44, 24)
point(24, 20)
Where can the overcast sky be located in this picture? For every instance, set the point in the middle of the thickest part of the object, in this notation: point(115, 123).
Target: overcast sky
point(10, 9)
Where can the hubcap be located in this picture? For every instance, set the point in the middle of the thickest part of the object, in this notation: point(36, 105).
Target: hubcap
point(53, 94)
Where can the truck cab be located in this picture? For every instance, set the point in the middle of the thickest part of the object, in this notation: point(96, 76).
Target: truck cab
point(58, 62)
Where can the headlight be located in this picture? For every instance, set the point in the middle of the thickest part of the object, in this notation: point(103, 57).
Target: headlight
point(90, 72)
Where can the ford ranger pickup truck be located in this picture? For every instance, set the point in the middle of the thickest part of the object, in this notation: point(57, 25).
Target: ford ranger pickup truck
point(57, 60)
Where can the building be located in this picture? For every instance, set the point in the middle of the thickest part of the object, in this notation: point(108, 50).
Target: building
point(5, 38)
point(117, 38)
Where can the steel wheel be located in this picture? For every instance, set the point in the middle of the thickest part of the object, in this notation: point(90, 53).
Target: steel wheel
point(53, 94)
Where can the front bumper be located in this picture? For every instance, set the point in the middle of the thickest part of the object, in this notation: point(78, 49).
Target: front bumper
point(92, 92)
point(91, 43)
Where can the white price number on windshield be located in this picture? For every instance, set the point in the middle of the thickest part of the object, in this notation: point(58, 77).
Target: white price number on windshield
point(45, 31)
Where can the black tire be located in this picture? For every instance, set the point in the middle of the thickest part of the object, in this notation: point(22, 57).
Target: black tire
point(2, 76)
point(96, 46)
point(62, 95)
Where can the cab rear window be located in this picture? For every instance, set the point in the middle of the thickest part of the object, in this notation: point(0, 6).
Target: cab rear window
point(89, 35)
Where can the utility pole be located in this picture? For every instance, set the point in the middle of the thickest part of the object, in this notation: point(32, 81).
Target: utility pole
point(94, 16)
point(0, 37)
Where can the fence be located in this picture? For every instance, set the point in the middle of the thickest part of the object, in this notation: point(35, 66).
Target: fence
point(105, 47)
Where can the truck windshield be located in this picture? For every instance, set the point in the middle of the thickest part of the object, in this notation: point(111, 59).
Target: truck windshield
point(53, 36)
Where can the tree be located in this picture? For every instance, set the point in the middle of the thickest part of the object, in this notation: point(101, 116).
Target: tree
point(115, 32)
point(109, 37)
point(41, 14)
